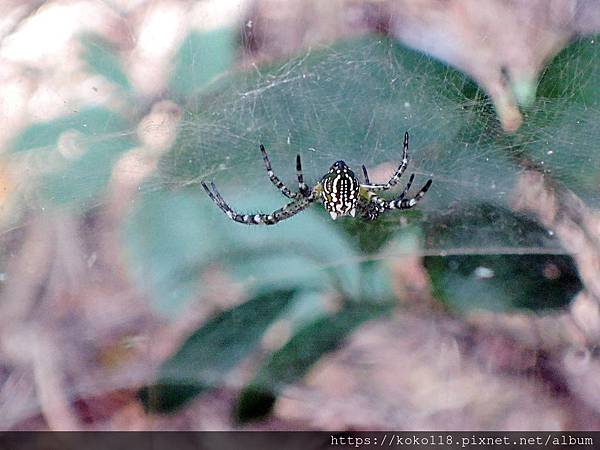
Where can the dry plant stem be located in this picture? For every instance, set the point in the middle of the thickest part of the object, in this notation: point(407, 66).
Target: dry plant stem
point(50, 384)
point(46, 268)
point(27, 275)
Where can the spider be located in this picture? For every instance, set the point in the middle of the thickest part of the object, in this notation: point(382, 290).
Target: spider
point(339, 190)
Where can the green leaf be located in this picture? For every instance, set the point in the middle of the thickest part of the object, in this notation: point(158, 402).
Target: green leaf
point(295, 358)
point(98, 123)
point(312, 106)
point(464, 227)
point(93, 139)
point(464, 280)
point(213, 350)
point(169, 238)
point(561, 129)
point(101, 58)
point(503, 282)
point(352, 101)
point(201, 58)
point(573, 74)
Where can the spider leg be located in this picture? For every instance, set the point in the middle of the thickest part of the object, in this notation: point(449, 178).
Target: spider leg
point(301, 184)
point(407, 203)
point(215, 196)
point(275, 180)
point(399, 171)
point(367, 181)
point(278, 215)
point(219, 200)
point(373, 205)
point(408, 185)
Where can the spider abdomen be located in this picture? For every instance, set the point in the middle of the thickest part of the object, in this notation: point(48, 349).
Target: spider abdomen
point(340, 190)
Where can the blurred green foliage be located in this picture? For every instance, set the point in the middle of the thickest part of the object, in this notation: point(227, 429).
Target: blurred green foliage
point(167, 246)
point(503, 282)
point(92, 140)
point(560, 135)
point(208, 354)
point(101, 58)
point(498, 281)
point(289, 363)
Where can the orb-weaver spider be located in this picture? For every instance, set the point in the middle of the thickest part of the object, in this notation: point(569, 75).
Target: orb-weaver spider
point(339, 190)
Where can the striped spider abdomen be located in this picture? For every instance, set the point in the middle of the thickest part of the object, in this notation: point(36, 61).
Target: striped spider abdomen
point(340, 190)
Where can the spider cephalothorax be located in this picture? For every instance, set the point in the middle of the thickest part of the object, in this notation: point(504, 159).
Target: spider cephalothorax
point(339, 190)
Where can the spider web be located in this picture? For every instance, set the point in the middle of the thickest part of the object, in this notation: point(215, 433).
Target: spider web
point(350, 101)
point(353, 102)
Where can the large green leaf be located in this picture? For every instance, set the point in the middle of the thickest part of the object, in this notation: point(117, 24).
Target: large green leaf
point(212, 351)
point(296, 357)
point(352, 101)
